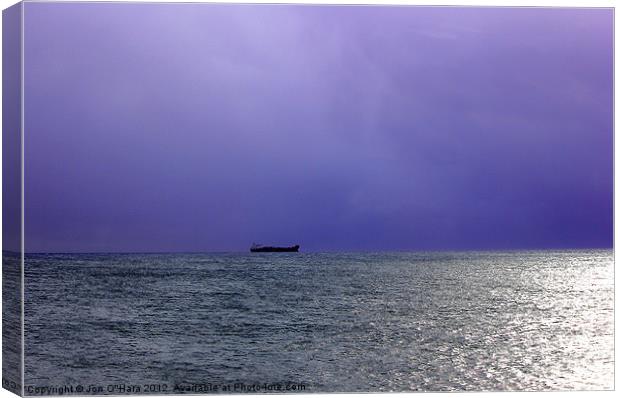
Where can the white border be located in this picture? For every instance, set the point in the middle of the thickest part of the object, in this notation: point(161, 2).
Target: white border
point(23, 218)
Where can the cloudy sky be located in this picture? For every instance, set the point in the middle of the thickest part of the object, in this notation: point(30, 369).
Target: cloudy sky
point(193, 127)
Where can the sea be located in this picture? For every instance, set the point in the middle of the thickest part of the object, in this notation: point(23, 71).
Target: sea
point(318, 322)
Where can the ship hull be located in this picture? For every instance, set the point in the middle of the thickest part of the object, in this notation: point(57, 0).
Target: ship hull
point(271, 249)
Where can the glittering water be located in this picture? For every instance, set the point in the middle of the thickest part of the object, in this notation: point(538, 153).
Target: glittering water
point(534, 320)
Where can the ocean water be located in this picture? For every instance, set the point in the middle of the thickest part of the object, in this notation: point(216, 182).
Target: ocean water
point(11, 321)
point(319, 322)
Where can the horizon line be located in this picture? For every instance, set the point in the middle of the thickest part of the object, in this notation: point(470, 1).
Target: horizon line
point(321, 251)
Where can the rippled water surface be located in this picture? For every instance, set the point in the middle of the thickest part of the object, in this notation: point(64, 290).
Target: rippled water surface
point(332, 322)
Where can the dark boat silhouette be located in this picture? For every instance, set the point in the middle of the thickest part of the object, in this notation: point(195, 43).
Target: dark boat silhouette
point(273, 249)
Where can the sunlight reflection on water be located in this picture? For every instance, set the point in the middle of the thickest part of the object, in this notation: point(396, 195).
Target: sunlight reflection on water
point(530, 320)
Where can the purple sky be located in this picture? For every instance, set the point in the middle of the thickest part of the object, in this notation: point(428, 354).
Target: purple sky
point(192, 127)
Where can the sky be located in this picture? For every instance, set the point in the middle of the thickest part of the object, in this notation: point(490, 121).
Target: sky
point(195, 127)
